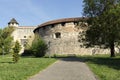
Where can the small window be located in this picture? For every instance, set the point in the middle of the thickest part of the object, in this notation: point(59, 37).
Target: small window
point(52, 26)
point(24, 36)
point(30, 36)
point(58, 35)
point(63, 23)
point(75, 23)
point(44, 28)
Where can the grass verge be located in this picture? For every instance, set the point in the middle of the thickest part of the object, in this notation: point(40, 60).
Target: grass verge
point(22, 70)
point(104, 67)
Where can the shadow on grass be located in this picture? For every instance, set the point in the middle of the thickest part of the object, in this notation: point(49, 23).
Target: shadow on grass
point(106, 61)
point(99, 60)
point(109, 62)
point(8, 62)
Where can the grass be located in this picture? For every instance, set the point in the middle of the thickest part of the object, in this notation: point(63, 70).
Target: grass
point(104, 67)
point(22, 70)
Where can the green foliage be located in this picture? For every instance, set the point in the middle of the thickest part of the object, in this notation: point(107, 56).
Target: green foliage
point(39, 47)
point(94, 8)
point(7, 32)
point(16, 50)
point(6, 40)
point(104, 29)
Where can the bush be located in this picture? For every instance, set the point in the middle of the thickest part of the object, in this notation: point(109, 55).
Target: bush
point(27, 52)
point(39, 47)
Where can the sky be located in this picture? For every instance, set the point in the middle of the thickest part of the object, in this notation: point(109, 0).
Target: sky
point(36, 12)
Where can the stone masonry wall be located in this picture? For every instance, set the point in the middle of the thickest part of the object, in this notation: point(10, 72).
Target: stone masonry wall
point(66, 41)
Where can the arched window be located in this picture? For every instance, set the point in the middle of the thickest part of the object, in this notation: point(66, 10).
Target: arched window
point(58, 35)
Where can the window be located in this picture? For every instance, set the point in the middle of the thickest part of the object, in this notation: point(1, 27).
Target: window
point(44, 28)
point(24, 36)
point(30, 36)
point(52, 26)
point(63, 23)
point(76, 23)
point(24, 42)
point(58, 35)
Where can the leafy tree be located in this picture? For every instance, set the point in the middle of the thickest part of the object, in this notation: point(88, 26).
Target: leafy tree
point(39, 47)
point(6, 41)
point(104, 21)
point(1, 41)
point(16, 50)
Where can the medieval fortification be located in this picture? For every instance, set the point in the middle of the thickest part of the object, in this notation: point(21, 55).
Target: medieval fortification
point(61, 36)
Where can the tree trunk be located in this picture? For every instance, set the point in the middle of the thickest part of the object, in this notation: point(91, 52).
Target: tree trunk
point(112, 50)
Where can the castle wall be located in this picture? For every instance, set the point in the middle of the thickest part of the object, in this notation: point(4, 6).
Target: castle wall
point(24, 35)
point(63, 39)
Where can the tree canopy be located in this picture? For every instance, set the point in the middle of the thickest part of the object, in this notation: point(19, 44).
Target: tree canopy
point(104, 23)
point(6, 40)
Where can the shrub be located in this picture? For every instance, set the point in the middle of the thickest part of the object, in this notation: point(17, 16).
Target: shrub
point(27, 52)
point(39, 47)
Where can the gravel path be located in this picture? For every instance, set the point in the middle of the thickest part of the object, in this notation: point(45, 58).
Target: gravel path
point(66, 69)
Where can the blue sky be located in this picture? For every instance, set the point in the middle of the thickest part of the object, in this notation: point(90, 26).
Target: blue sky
point(35, 12)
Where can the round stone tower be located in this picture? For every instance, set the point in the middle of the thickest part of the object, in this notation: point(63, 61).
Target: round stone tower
point(13, 23)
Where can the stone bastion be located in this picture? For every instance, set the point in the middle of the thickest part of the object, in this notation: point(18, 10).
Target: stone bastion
point(62, 37)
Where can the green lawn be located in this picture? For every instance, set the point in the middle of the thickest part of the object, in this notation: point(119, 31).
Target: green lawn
point(104, 67)
point(23, 69)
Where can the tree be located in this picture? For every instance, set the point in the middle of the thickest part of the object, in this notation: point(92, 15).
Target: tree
point(6, 41)
point(39, 47)
point(16, 50)
point(104, 21)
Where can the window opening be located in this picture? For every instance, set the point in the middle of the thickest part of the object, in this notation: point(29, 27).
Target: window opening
point(24, 42)
point(58, 35)
point(24, 36)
